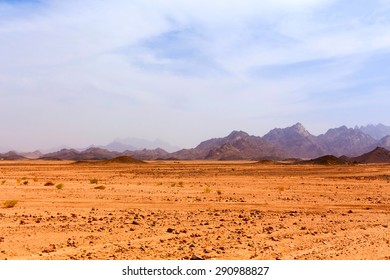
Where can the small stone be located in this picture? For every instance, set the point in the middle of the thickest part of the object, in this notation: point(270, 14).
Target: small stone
point(50, 249)
point(196, 258)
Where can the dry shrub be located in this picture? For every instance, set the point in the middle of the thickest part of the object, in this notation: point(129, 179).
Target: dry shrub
point(101, 187)
point(49, 184)
point(59, 186)
point(10, 203)
point(93, 181)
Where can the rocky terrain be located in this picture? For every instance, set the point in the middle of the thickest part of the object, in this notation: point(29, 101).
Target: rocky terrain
point(193, 210)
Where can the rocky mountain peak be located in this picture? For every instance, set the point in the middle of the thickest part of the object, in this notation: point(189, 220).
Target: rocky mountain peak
point(237, 135)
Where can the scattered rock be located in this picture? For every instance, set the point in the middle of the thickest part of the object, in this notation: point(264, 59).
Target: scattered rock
point(50, 249)
point(170, 230)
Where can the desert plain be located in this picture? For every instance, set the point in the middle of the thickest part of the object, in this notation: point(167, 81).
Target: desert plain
point(174, 210)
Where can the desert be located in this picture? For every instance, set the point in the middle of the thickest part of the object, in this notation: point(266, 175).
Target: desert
point(180, 210)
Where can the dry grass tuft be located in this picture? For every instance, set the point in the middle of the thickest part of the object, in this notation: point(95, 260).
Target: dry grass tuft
point(9, 203)
point(207, 190)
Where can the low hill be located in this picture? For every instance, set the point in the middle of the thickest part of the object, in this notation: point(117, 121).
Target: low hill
point(11, 156)
point(378, 155)
point(326, 160)
point(146, 154)
point(123, 160)
point(89, 154)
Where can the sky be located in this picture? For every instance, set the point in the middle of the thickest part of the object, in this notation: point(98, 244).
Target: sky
point(82, 72)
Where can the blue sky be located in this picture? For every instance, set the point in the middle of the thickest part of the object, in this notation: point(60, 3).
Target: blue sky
point(88, 71)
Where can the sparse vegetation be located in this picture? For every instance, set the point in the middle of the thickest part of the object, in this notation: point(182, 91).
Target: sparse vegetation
point(93, 181)
point(49, 184)
point(101, 187)
point(10, 203)
point(59, 186)
point(3, 182)
point(207, 190)
point(22, 181)
point(219, 192)
point(179, 184)
point(35, 179)
point(281, 188)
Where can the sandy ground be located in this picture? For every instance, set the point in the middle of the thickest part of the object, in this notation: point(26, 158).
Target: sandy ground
point(182, 210)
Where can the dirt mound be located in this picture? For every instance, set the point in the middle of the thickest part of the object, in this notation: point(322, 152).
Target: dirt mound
point(123, 159)
point(267, 162)
point(326, 160)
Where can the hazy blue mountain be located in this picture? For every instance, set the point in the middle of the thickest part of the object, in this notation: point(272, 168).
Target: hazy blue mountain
point(375, 131)
point(133, 144)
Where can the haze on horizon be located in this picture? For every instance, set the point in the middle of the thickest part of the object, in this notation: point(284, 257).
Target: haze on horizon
point(78, 73)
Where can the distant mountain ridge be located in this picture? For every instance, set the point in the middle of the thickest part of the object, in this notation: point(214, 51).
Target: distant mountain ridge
point(133, 144)
point(279, 143)
point(375, 131)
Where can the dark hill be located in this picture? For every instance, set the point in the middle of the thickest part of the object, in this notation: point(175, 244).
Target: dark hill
point(378, 155)
point(123, 160)
point(326, 160)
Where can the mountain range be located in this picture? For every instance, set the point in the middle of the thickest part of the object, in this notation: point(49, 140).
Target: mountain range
point(278, 144)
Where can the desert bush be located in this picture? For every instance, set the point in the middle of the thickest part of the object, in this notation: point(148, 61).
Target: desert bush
point(25, 182)
point(49, 184)
point(59, 186)
point(101, 187)
point(281, 188)
point(3, 182)
point(207, 190)
point(10, 203)
point(219, 192)
point(93, 181)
